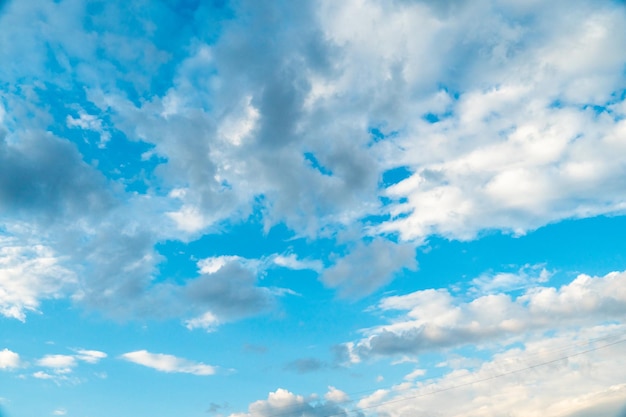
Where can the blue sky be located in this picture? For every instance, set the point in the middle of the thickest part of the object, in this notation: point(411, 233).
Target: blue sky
point(312, 208)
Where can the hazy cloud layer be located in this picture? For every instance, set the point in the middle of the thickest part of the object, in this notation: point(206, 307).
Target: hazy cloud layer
point(567, 374)
point(582, 385)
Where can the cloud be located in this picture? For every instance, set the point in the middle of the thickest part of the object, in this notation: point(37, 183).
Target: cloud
point(291, 261)
point(566, 374)
point(509, 125)
point(44, 178)
point(229, 292)
point(532, 380)
point(435, 319)
point(206, 321)
point(60, 363)
point(89, 122)
point(168, 363)
point(59, 412)
point(415, 374)
point(29, 274)
point(525, 277)
point(516, 142)
point(9, 359)
point(368, 267)
point(90, 356)
point(284, 402)
point(336, 395)
point(305, 365)
point(43, 375)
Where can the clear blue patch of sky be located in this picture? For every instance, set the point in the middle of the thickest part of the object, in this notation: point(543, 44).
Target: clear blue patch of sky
point(378, 133)
point(395, 175)
point(314, 162)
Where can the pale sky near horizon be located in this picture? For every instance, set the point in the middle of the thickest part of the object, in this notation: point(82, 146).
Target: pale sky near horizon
point(370, 208)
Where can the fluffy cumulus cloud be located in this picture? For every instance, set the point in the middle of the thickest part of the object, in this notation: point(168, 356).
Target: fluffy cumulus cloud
point(503, 114)
point(283, 402)
point(9, 359)
point(168, 363)
point(435, 319)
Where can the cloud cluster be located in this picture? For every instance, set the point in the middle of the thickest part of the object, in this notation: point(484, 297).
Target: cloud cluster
point(504, 116)
point(567, 374)
point(436, 319)
point(527, 381)
point(59, 367)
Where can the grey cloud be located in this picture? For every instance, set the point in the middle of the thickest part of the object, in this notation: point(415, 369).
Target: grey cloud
point(368, 267)
point(260, 349)
point(44, 176)
point(230, 292)
point(305, 365)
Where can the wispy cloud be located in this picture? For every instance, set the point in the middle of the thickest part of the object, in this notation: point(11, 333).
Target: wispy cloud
point(168, 363)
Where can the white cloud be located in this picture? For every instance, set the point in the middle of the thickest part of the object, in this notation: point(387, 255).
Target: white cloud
point(168, 363)
point(59, 412)
point(43, 375)
point(568, 374)
point(291, 261)
point(284, 402)
point(60, 363)
point(515, 382)
point(415, 374)
point(207, 321)
point(90, 356)
point(27, 275)
point(213, 264)
point(526, 276)
point(435, 319)
point(335, 395)
point(89, 122)
point(9, 359)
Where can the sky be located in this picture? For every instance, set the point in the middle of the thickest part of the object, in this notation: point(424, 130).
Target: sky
point(368, 208)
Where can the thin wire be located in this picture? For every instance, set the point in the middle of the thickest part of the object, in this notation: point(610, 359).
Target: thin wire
point(477, 381)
